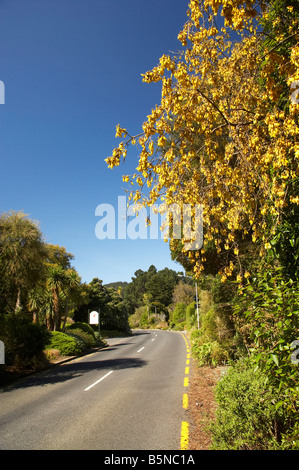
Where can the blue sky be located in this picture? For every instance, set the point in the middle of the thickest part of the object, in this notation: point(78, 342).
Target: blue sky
point(72, 72)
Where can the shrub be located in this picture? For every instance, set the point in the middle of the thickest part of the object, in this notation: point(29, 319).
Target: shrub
point(52, 354)
point(23, 340)
point(98, 340)
point(210, 353)
point(143, 322)
point(245, 417)
point(83, 326)
point(191, 315)
point(87, 339)
point(194, 334)
point(66, 344)
point(178, 316)
point(209, 324)
point(139, 317)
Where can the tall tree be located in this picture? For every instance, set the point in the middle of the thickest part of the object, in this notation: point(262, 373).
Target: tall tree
point(224, 134)
point(56, 281)
point(71, 288)
point(22, 254)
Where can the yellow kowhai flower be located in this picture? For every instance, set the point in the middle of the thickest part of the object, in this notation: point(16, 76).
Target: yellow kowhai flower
point(162, 141)
point(120, 131)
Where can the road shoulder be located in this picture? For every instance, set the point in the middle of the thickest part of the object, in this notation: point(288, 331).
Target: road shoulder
point(202, 404)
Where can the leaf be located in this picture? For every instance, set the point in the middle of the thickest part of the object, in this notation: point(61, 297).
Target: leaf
point(275, 359)
point(278, 405)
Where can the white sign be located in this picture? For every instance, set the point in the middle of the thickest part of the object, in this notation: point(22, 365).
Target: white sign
point(2, 92)
point(94, 318)
point(2, 353)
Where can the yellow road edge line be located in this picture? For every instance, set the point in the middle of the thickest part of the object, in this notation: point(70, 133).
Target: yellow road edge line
point(185, 424)
point(185, 401)
point(184, 435)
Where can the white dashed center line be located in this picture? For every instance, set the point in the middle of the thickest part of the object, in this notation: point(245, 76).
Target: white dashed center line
point(95, 383)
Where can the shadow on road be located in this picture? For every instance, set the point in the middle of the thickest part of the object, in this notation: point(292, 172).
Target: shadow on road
point(62, 373)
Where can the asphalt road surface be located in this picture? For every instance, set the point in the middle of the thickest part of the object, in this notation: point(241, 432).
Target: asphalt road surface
point(127, 396)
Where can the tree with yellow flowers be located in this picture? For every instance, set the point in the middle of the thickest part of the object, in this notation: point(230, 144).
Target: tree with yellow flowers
point(225, 132)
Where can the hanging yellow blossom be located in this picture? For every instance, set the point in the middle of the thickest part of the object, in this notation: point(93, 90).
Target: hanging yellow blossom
point(225, 134)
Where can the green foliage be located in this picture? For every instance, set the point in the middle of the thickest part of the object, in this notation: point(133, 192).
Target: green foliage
point(213, 344)
point(271, 306)
point(134, 320)
point(178, 317)
point(191, 316)
point(159, 292)
point(144, 320)
point(245, 416)
point(23, 339)
point(258, 400)
point(66, 344)
point(210, 353)
point(82, 326)
point(222, 292)
point(285, 241)
point(209, 325)
point(157, 285)
point(194, 335)
point(22, 253)
point(87, 339)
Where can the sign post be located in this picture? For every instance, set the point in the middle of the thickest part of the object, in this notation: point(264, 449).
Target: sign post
point(94, 319)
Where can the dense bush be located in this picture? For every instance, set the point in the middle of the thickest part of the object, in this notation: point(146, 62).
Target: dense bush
point(24, 341)
point(212, 343)
point(191, 315)
point(210, 353)
point(245, 418)
point(87, 339)
point(143, 322)
point(178, 317)
point(66, 344)
point(83, 326)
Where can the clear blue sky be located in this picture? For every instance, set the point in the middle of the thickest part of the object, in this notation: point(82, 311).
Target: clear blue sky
point(72, 72)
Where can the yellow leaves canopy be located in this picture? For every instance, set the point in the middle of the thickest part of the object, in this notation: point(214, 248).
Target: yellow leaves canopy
point(225, 134)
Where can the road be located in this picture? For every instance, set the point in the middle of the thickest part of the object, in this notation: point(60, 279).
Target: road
point(127, 396)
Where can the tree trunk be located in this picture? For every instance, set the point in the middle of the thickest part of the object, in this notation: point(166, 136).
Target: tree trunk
point(56, 310)
point(18, 302)
point(66, 313)
point(35, 318)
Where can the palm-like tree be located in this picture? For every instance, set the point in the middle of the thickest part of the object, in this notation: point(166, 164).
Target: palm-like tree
point(35, 302)
point(70, 289)
point(22, 252)
point(55, 282)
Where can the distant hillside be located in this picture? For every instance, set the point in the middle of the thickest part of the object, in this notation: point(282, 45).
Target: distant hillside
point(116, 285)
